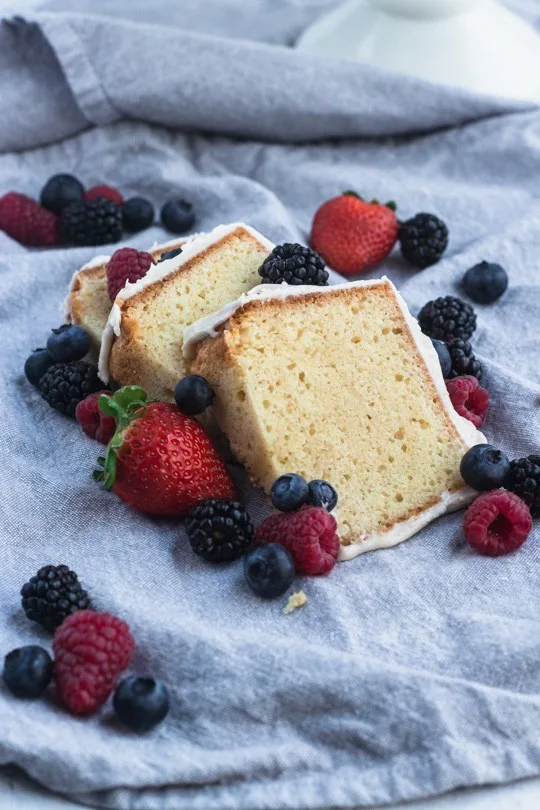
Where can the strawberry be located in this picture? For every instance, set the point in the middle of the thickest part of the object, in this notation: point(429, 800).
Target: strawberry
point(160, 460)
point(352, 235)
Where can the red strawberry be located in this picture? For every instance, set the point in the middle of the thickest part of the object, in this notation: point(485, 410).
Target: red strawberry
point(352, 235)
point(159, 461)
point(126, 264)
point(108, 192)
point(27, 221)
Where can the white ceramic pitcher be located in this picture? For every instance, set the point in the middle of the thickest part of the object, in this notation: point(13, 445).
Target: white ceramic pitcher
point(475, 44)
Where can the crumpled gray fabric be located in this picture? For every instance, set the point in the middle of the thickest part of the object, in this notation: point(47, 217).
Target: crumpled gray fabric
point(411, 671)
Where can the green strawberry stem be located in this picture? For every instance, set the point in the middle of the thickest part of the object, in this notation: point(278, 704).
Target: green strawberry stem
point(391, 205)
point(124, 406)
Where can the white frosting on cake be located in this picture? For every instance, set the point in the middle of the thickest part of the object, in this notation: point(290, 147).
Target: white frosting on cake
point(157, 272)
point(449, 501)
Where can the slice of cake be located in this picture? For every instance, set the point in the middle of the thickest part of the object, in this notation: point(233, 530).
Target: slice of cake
point(338, 383)
point(142, 342)
point(88, 303)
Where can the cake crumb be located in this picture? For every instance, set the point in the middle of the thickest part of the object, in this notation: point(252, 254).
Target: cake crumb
point(295, 601)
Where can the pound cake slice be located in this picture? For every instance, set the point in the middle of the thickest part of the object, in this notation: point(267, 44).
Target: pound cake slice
point(338, 383)
point(88, 303)
point(142, 342)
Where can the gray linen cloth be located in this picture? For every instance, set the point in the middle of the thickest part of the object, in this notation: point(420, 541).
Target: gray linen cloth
point(411, 671)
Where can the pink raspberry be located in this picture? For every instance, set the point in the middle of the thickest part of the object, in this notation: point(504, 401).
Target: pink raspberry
point(469, 398)
point(108, 192)
point(27, 221)
point(309, 534)
point(94, 423)
point(90, 651)
point(497, 522)
point(126, 264)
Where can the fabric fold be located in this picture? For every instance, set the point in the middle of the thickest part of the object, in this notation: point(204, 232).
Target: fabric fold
point(190, 81)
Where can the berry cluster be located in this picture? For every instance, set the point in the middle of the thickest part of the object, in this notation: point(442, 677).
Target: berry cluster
point(67, 214)
point(500, 519)
point(353, 234)
point(58, 371)
point(91, 650)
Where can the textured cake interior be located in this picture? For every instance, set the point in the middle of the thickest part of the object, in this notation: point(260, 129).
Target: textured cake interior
point(89, 303)
point(332, 386)
point(148, 351)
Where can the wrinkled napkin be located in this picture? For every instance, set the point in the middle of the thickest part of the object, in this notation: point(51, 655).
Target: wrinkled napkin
point(410, 671)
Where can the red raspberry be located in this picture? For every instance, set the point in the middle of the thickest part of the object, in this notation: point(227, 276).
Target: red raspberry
point(497, 522)
point(90, 651)
point(108, 192)
point(469, 398)
point(27, 221)
point(309, 534)
point(126, 264)
point(94, 423)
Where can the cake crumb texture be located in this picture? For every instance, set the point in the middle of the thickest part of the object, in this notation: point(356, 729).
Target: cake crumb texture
point(297, 600)
point(333, 386)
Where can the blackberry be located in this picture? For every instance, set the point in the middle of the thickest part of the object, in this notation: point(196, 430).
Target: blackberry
point(463, 360)
point(53, 594)
point(524, 480)
point(423, 240)
point(447, 319)
point(294, 264)
point(98, 222)
point(64, 385)
point(219, 530)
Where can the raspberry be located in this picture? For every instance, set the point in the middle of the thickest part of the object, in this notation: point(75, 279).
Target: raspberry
point(126, 264)
point(94, 423)
point(309, 535)
point(27, 221)
point(497, 522)
point(90, 651)
point(469, 398)
point(108, 192)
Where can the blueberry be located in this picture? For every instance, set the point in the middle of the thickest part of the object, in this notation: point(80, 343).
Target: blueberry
point(444, 357)
point(485, 282)
point(170, 254)
point(269, 570)
point(68, 343)
point(141, 703)
point(193, 394)
point(37, 364)
point(484, 467)
point(321, 493)
point(59, 191)
point(289, 492)
point(177, 216)
point(137, 214)
point(28, 671)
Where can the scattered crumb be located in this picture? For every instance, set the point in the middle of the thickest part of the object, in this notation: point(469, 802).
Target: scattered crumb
point(297, 600)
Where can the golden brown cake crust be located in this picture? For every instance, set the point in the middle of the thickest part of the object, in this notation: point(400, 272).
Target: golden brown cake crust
point(129, 362)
